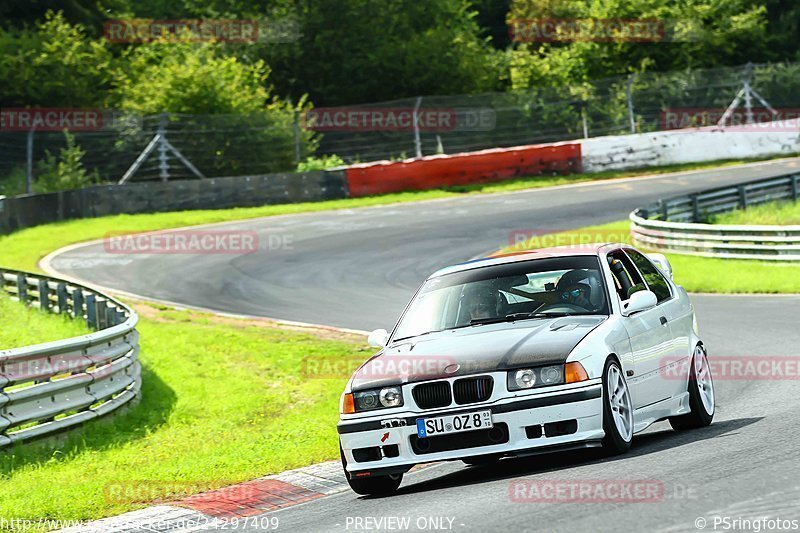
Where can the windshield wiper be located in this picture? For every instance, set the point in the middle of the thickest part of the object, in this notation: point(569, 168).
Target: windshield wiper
point(508, 318)
point(547, 314)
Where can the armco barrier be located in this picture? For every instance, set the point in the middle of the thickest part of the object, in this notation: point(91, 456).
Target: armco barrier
point(46, 388)
point(672, 225)
point(463, 169)
point(150, 197)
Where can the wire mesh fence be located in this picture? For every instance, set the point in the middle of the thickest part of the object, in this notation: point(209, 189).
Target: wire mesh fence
point(231, 145)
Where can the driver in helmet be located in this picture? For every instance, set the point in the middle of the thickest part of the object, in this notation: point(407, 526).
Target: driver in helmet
point(482, 303)
point(572, 290)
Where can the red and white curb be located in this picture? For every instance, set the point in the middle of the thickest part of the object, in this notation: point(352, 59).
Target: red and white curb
point(226, 506)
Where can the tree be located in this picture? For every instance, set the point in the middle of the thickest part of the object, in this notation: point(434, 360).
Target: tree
point(53, 64)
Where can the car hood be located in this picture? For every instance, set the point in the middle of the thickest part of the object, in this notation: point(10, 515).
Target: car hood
point(474, 349)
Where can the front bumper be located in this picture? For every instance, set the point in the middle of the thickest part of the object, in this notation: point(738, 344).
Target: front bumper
point(524, 424)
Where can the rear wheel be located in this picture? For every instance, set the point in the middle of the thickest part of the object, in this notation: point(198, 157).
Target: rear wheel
point(374, 485)
point(701, 395)
point(617, 410)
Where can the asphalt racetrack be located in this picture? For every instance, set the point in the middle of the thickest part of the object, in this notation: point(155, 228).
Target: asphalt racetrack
point(358, 268)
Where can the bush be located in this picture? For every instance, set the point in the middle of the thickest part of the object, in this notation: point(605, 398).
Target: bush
point(65, 171)
point(239, 127)
point(320, 163)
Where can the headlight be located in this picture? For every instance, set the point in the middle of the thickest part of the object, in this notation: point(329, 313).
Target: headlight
point(525, 378)
point(378, 399)
point(529, 378)
point(551, 375)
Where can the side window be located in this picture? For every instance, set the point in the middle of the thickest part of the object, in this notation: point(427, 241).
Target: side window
point(626, 277)
point(655, 280)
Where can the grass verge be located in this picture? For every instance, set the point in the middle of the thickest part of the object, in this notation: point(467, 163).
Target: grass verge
point(23, 249)
point(696, 274)
point(224, 401)
point(773, 213)
point(19, 328)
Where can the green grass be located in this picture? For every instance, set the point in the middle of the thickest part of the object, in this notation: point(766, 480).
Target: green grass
point(23, 249)
point(696, 274)
point(223, 401)
point(773, 213)
point(19, 328)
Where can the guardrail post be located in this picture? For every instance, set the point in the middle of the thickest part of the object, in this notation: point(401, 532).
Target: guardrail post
point(794, 179)
point(77, 303)
point(62, 296)
point(91, 311)
point(664, 210)
point(22, 288)
point(110, 318)
point(100, 320)
point(695, 208)
point(742, 197)
point(44, 296)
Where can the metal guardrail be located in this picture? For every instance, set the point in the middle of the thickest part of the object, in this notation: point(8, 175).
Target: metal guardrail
point(677, 224)
point(46, 388)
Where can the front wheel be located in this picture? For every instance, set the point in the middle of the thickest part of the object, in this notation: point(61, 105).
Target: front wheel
point(377, 485)
point(617, 410)
point(701, 395)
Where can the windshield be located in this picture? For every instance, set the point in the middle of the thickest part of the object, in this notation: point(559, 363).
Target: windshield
point(531, 289)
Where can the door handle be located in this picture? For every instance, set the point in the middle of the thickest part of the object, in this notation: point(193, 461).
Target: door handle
point(664, 321)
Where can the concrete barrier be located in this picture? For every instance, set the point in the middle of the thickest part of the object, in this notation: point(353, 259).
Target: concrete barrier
point(149, 197)
point(620, 152)
point(463, 169)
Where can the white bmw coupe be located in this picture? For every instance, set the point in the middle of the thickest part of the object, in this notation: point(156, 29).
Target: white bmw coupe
point(526, 353)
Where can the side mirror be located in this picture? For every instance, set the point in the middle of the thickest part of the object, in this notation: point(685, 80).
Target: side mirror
point(662, 263)
point(378, 338)
point(639, 301)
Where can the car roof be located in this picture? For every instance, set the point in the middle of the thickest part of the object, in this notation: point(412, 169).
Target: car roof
point(527, 255)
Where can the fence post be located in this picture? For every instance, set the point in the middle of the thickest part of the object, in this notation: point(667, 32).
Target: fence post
point(29, 167)
point(629, 95)
point(77, 303)
point(417, 141)
point(296, 138)
point(742, 197)
point(110, 318)
point(163, 163)
point(91, 311)
point(583, 121)
point(61, 295)
point(44, 297)
point(100, 319)
point(22, 288)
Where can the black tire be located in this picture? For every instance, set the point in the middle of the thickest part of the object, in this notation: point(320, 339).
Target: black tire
point(613, 442)
point(698, 417)
point(369, 486)
point(481, 460)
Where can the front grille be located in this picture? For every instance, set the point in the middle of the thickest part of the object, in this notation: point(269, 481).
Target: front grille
point(431, 395)
point(472, 390)
point(459, 441)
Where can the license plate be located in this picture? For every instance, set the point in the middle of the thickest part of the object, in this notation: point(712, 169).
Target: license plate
point(442, 425)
